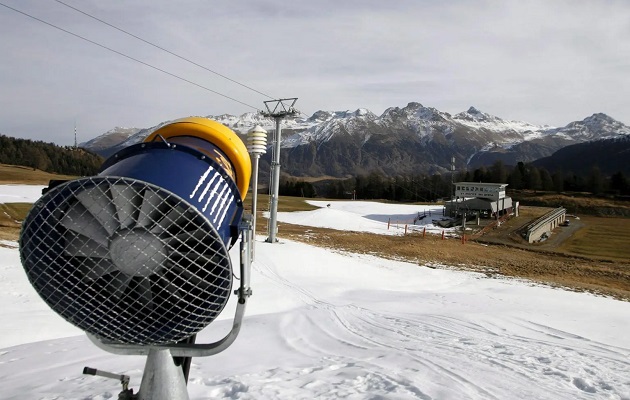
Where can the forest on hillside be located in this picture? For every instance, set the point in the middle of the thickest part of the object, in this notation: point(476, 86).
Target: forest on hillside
point(48, 157)
point(424, 187)
point(403, 188)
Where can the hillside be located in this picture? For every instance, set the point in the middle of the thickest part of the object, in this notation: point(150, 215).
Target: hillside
point(48, 157)
point(609, 155)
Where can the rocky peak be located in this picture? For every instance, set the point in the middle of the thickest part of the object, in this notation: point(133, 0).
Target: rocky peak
point(597, 126)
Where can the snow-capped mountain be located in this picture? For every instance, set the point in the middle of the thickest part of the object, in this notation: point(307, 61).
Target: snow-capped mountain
point(109, 139)
point(597, 126)
point(328, 125)
point(411, 139)
point(480, 120)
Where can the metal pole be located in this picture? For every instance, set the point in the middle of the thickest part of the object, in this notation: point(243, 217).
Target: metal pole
point(162, 379)
point(275, 172)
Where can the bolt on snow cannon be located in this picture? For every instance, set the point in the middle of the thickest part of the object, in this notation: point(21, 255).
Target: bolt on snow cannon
point(138, 254)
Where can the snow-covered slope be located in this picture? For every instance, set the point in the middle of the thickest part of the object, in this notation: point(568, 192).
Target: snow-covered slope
point(327, 325)
point(480, 120)
point(329, 125)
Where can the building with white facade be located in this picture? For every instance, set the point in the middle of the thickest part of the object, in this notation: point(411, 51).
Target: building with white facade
point(487, 200)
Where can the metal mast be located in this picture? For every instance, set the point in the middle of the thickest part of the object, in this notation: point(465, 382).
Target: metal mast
point(278, 110)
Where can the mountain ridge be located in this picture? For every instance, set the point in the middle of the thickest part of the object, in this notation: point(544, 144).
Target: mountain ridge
point(413, 138)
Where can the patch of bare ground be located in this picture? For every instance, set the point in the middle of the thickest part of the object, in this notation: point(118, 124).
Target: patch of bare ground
point(577, 203)
point(20, 175)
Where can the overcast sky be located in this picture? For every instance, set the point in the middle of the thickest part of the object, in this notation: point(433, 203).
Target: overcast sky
point(544, 62)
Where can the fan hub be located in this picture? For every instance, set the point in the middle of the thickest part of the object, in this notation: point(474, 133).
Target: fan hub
point(137, 252)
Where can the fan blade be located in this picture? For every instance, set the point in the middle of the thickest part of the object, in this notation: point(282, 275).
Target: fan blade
point(149, 211)
point(94, 268)
point(79, 220)
point(165, 288)
point(176, 220)
point(195, 279)
point(78, 245)
point(97, 201)
point(144, 289)
point(118, 285)
point(197, 258)
point(186, 240)
point(128, 202)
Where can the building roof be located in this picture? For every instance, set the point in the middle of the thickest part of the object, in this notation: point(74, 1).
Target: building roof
point(500, 185)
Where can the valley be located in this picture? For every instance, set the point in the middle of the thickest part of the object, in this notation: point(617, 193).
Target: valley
point(594, 257)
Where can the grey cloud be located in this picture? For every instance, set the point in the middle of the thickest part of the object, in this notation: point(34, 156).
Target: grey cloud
point(539, 61)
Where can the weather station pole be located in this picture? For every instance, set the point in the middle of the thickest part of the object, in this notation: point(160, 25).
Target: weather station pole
point(256, 146)
point(278, 110)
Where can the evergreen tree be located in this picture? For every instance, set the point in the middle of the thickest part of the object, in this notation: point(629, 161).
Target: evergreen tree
point(558, 181)
point(48, 157)
point(595, 181)
point(532, 179)
point(546, 180)
point(480, 175)
point(516, 179)
point(498, 172)
point(619, 183)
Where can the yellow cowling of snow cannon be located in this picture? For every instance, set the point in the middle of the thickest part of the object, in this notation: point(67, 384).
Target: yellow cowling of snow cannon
point(213, 139)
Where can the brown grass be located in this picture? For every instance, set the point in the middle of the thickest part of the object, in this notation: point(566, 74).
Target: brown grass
point(546, 267)
point(15, 174)
point(11, 217)
point(602, 238)
point(577, 203)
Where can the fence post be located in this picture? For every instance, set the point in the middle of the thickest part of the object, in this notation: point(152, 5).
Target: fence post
point(405, 229)
point(442, 234)
point(389, 220)
point(424, 231)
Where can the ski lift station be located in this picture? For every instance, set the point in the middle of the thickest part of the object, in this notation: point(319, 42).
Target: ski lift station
point(486, 199)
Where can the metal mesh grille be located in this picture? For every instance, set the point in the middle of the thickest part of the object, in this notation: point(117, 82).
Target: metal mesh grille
point(126, 260)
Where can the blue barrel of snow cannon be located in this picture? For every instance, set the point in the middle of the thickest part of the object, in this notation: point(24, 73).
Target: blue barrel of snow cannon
point(201, 160)
point(139, 253)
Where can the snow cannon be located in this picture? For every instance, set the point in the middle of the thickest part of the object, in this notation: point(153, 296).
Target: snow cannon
point(138, 254)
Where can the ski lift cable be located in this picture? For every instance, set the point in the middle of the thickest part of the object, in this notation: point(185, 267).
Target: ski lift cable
point(129, 57)
point(163, 49)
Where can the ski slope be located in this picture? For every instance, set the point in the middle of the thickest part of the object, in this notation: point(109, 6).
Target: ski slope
point(369, 216)
point(331, 325)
